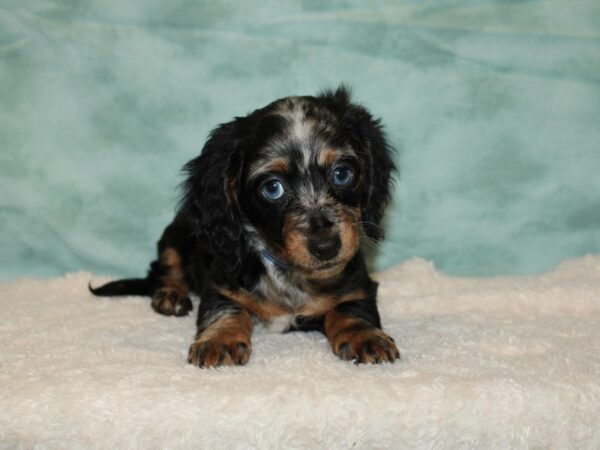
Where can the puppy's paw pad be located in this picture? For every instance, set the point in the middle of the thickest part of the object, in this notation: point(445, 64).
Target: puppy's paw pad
point(214, 353)
point(171, 302)
point(372, 347)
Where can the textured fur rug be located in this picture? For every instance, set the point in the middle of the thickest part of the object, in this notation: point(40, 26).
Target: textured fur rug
point(499, 362)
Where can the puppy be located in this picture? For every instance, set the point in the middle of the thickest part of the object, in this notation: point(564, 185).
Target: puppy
point(269, 228)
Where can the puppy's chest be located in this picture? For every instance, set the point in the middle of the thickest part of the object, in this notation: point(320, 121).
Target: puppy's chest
point(290, 293)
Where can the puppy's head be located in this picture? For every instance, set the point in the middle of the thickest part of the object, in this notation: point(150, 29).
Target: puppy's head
point(302, 177)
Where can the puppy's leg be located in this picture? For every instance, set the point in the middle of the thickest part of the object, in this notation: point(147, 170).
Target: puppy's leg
point(224, 332)
point(354, 332)
point(171, 295)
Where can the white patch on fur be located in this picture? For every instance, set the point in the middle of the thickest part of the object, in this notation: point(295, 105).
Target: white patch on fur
point(284, 287)
point(307, 153)
point(300, 130)
point(254, 238)
point(279, 324)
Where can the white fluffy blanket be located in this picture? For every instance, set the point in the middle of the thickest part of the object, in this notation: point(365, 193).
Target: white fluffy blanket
point(502, 362)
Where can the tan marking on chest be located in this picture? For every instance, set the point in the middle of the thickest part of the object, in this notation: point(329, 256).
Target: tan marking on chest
point(269, 309)
point(321, 304)
point(264, 309)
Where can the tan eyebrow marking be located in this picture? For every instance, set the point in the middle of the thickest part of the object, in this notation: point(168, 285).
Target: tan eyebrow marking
point(327, 156)
point(279, 165)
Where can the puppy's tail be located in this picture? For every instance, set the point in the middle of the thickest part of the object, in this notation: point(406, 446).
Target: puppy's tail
point(130, 286)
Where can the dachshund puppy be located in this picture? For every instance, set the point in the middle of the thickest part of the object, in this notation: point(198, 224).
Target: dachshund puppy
point(268, 231)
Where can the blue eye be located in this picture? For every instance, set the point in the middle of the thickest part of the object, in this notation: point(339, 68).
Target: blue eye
point(342, 176)
point(272, 189)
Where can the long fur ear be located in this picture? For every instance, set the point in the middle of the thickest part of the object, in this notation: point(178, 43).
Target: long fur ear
point(210, 198)
point(366, 135)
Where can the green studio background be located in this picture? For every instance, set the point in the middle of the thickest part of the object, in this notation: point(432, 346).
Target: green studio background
point(494, 107)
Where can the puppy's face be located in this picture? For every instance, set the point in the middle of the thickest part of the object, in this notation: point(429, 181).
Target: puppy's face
point(301, 187)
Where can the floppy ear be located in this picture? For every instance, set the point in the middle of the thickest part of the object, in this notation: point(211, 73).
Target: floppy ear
point(367, 137)
point(210, 197)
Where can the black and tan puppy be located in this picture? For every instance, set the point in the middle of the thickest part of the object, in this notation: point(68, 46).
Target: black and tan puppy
point(268, 231)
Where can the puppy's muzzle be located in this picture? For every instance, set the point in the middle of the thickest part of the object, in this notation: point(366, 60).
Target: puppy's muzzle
point(324, 242)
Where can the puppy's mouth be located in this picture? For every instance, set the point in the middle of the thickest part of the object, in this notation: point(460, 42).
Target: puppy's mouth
point(324, 270)
point(329, 265)
point(315, 268)
point(312, 268)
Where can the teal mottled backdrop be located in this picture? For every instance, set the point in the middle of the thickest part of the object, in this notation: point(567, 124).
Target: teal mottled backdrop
point(493, 105)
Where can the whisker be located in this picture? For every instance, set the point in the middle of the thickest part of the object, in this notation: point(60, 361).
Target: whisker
point(379, 228)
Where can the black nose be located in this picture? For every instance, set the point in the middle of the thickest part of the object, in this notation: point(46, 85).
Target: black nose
point(325, 249)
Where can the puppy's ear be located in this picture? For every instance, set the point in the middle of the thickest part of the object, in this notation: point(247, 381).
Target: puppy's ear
point(367, 137)
point(210, 197)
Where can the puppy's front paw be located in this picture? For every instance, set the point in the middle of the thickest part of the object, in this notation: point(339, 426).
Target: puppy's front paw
point(216, 352)
point(171, 302)
point(370, 346)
